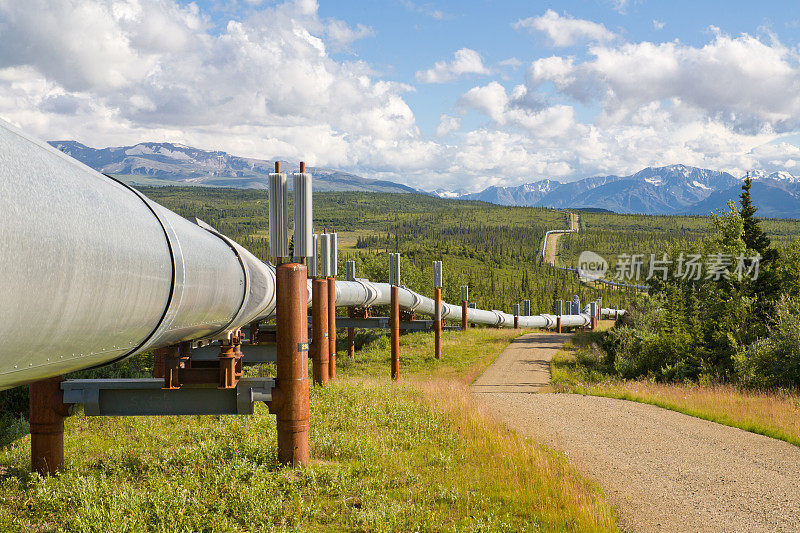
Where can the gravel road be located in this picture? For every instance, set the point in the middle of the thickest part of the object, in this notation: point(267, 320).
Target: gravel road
point(663, 471)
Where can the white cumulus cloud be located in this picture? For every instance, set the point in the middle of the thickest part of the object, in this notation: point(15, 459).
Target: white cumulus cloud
point(465, 61)
point(564, 30)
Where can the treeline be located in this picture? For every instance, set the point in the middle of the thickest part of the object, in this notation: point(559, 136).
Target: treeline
point(739, 323)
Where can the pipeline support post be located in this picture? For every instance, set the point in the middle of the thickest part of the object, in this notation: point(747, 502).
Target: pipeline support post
point(558, 324)
point(351, 337)
point(290, 400)
point(47, 414)
point(437, 323)
point(464, 323)
point(331, 328)
point(319, 322)
point(394, 323)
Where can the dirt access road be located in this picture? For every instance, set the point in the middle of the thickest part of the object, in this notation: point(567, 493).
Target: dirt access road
point(662, 470)
point(552, 245)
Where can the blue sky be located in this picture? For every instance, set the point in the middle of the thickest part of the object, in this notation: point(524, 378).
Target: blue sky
point(454, 95)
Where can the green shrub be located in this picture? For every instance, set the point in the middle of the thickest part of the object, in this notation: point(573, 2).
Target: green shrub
point(774, 361)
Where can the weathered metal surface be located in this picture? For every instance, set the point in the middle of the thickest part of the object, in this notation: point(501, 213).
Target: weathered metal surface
point(251, 353)
point(319, 344)
point(290, 399)
point(332, 328)
point(395, 332)
point(47, 413)
point(437, 317)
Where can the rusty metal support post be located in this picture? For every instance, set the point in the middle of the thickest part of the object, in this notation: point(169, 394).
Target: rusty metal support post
point(319, 321)
point(394, 323)
point(516, 321)
point(558, 324)
point(464, 323)
point(332, 328)
point(437, 323)
point(351, 343)
point(47, 414)
point(290, 398)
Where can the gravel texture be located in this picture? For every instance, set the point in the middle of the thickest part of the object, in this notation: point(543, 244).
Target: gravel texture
point(664, 471)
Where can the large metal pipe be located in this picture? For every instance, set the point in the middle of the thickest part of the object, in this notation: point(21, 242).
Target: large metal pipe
point(104, 273)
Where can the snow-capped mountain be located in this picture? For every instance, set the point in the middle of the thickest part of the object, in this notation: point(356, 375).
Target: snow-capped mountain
point(526, 194)
point(176, 164)
point(673, 189)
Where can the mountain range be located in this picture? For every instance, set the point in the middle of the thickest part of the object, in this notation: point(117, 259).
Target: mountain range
point(668, 190)
point(151, 163)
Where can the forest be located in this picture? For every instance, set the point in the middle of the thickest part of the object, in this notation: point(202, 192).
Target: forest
point(739, 324)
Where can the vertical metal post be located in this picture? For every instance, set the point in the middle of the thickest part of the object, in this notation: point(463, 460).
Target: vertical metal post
point(319, 322)
point(290, 398)
point(394, 322)
point(351, 343)
point(558, 324)
point(332, 328)
point(437, 323)
point(350, 275)
point(464, 298)
point(515, 310)
point(526, 307)
point(593, 314)
point(47, 414)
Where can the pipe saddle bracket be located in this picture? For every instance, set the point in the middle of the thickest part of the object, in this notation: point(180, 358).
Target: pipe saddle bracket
point(146, 397)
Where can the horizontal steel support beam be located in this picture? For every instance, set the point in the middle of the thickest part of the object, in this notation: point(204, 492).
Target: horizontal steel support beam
point(382, 322)
point(251, 353)
point(146, 397)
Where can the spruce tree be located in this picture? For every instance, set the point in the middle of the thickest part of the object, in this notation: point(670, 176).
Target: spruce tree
point(765, 287)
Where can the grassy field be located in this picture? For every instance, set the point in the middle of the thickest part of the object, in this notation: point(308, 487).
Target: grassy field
point(414, 456)
point(578, 369)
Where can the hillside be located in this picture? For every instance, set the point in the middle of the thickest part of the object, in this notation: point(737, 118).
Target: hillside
point(161, 164)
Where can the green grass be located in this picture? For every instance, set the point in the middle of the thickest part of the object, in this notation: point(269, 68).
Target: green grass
point(463, 353)
point(579, 369)
point(413, 456)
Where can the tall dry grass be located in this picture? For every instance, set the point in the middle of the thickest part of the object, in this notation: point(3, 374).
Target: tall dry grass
point(531, 480)
point(774, 414)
